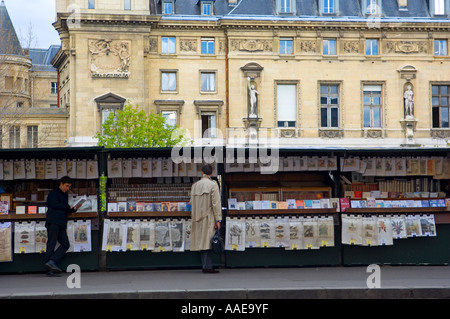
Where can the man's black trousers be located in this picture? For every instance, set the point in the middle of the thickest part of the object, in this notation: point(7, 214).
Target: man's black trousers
point(56, 233)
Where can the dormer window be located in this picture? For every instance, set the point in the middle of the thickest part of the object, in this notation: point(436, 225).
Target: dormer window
point(371, 7)
point(439, 7)
point(207, 8)
point(329, 6)
point(286, 6)
point(168, 7)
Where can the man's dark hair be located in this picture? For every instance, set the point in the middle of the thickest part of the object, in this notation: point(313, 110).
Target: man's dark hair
point(66, 180)
point(207, 169)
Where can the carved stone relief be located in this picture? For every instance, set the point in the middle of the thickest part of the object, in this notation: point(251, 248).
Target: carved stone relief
point(188, 45)
point(251, 45)
point(406, 47)
point(308, 46)
point(350, 46)
point(110, 58)
point(440, 133)
point(153, 45)
point(329, 133)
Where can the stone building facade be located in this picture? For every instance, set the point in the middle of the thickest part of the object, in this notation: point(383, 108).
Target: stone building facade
point(29, 112)
point(307, 72)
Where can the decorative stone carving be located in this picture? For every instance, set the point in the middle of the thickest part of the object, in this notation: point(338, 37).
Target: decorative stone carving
point(153, 44)
point(330, 133)
point(350, 46)
point(251, 45)
point(372, 133)
point(288, 132)
point(408, 97)
point(188, 45)
point(110, 58)
point(440, 133)
point(308, 46)
point(406, 47)
point(409, 126)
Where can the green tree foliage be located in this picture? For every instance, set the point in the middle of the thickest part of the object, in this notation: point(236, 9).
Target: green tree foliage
point(132, 128)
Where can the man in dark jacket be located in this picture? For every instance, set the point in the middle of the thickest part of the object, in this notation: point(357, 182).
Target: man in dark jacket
point(56, 224)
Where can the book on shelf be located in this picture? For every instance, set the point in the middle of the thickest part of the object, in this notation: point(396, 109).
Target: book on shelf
point(232, 203)
point(344, 203)
point(273, 204)
point(140, 206)
point(42, 209)
point(257, 204)
point(282, 205)
point(308, 203)
point(265, 204)
point(182, 206)
point(300, 203)
point(4, 207)
point(291, 204)
point(32, 209)
point(20, 209)
point(165, 206)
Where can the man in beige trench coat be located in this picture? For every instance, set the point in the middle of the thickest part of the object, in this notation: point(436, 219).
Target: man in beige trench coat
point(206, 216)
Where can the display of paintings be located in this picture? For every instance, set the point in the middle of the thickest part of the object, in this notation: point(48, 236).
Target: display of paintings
point(187, 233)
point(114, 168)
point(61, 168)
point(281, 232)
point(295, 234)
point(40, 237)
point(147, 235)
point(413, 226)
point(325, 226)
point(136, 167)
point(82, 236)
point(24, 237)
point(50, 169)
point(71, 166)
point(398, 223)
point(235, 234)
point(133, 235)
point(30, 169)
point(252, 235)
point(127, 167)
point(351, 230)
point(91, 169)
point(146, 167)
point(4, 207)
point(267, 232)
point(6, 242)
point(19, 169)
point(310, 233)
point(8, 170)
point(384, 231)
point(369, 231)
point(163, 241)
point(428, 225)
point(177, 230)
point(114, 235)
point(157, 167)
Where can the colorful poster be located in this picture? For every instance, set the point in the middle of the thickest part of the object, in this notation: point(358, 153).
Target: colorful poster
point(295, 234)
point(384, 231)
point(398, 223)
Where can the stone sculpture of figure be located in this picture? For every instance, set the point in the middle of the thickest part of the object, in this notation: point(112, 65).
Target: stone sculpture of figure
point(253, 100)
point(409, 101)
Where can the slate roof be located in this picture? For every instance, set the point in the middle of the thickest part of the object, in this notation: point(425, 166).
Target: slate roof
point(41, 59)
point(9, 42)
point(304, 8)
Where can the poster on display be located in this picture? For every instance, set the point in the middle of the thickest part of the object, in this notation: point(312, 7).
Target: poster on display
point(6, 252)
point(325, 225)
point(82, 241)
point(163, 241)
point(235, 234)
point(24, 237)
point(177, 230)
point(147, 235)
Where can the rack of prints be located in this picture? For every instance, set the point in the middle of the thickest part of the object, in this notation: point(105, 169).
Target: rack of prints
point(154, 167)
point(162, 235)
point(48, 169)
point(6, 242)
point(285, 164)
point(439, 167)
point(381, 230)
point(290, 233)
point(31, 237)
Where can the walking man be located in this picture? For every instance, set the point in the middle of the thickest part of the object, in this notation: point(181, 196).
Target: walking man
point(56, 224)
point(206, 216)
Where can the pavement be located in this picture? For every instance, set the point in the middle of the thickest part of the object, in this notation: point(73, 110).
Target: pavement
point(387, 282)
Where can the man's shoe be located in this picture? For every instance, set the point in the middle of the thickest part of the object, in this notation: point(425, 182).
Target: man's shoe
point(51, 265)
point(210, 271)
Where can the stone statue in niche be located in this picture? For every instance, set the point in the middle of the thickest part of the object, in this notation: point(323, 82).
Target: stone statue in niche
point(408, 97)
point(253, 100)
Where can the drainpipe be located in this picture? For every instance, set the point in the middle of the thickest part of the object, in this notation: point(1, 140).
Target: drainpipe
point(227, 90)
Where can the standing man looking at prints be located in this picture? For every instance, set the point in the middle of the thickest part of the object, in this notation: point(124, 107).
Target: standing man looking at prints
point(56, 224)
point(206, 216)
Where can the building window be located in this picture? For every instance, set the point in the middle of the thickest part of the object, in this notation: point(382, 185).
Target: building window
point(32, 136)
point(208, 82)
point(439, 7)
point(91, 4)
point(285, 6)
point(14, 137)
point(440, 47)
point(168, 7)
point(440, 104)
point(372, 106)
point(328, 6)
point(168, 81)
point(209, 125)
point(286, 46)
point(207, 46)
point(329, 105)
point(207, 8)
point(127, 4)
point(9, 82)
point(372, 47)
point(329, 46)
point(54, 88)
point(170, 118)
point(168, 45)
point(286, 105)
point(371, 6)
